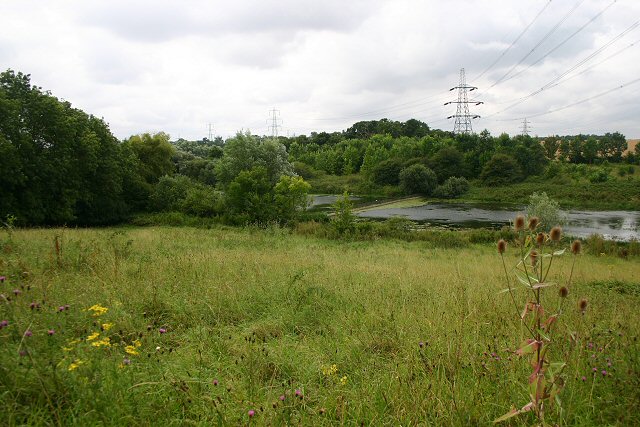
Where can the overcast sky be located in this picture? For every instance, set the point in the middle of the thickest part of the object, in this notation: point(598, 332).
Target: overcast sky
point(175, 66)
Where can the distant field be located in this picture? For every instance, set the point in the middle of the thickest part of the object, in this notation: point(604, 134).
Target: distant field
point(631, 144)
point(191, 326)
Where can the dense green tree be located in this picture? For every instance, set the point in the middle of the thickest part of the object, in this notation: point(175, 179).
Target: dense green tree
point(245, 151)
point(387, 172)
point(448, 161)
point(501, 169)
point(418, 179)
point(551, 146)
point(154, 153)
point(57, 164)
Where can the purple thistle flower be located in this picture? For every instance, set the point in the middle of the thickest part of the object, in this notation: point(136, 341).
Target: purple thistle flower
point(584, 378)
point(22, 353)
point(421, 344)
point(251, 413)
point(126, 361)
point(2, 279)
point(281, 398)
point(16, 292)
point(67, 306)
point(51, 332)
point(609, 364)
point(604, 373)
point(162, 330)
point(4, 324)
point(61, 308)
point(28, 333)
point(595, 369)
point(33, 305)
point(299, 393)
point(215, 382)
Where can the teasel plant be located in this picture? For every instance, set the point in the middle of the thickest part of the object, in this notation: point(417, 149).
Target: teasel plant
point(537, 252)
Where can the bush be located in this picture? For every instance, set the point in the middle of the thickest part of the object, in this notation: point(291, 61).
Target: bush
point(547, 210)
point(501, 169)
point(452, 187)
point(387, 172)
point(599, 175)
point(344, 221)
point(181, 194)
point(418, 179)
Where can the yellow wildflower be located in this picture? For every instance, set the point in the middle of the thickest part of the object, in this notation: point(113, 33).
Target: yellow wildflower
point(137, 343)
point(104, 342)
point(130, 349)
point(98, 310)
point(75, 364)
point(107, 326)
point(93, 336)
point(343, 380)
point(329, 370)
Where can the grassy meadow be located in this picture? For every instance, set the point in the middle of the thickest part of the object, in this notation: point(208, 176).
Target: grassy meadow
point(188, 326)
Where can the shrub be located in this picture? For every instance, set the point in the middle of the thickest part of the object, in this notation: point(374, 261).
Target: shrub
point(344, 221)
point(452, 187)
point(501, 169)
point(418, 179)
point(599, 175)
point(387, 172)
point(546, 209)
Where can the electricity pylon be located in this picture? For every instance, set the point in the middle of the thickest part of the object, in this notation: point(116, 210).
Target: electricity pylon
point(525, 127)
point(462, 117)
point(275, 122)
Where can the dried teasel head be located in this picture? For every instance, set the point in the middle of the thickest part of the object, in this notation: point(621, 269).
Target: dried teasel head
point(582, 305)
point(533, 223)
point(519, 224)
point(502, 246)
point(563, 292)
point(576, 247)
point(540, 239)
point(556, 233)
point(534, 257)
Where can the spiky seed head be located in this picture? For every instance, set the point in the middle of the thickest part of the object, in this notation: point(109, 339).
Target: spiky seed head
point(556, 233)
point(534, 257)
point(540, 239)
point(533, 223)
point(563, 292)
point(502, 246)
point(576, 247)
point(519, 224)
point(582, 305)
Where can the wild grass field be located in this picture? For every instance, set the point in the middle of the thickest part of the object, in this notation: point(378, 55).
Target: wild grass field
point(222, 326)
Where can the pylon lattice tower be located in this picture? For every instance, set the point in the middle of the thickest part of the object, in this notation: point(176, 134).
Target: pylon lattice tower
point(525, 127)
point(276, 122)
point(463, 117)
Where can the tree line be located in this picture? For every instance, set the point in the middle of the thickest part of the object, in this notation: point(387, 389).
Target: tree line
point(60, 165)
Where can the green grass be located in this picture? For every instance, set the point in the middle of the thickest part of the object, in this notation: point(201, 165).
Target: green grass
point(264, 311)
point(612, 195)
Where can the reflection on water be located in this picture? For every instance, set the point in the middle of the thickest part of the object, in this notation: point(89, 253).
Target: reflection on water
point(616, 225)
point(318, 200)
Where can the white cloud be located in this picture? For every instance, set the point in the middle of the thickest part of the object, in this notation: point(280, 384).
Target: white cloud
point(176, 66)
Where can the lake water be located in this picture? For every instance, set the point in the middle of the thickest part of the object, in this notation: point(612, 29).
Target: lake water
point(615, 225)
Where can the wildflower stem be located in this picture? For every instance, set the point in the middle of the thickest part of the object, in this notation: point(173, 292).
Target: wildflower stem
point(515, 304)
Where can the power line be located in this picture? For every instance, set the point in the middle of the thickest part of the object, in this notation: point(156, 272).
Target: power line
point(558, 46)
point(504, 52)
point(575, 103)
point(557, 80)
point(544, 38)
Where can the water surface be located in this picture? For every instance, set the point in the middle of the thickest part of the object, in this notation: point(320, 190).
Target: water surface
point(616, 225)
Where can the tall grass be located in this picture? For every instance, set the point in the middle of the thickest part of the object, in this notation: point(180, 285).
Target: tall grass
point(416, 331)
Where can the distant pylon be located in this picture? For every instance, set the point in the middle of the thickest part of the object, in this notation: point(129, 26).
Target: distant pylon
point(463, 117)
point(210, 138)
point(525, 127)
point(276, 122)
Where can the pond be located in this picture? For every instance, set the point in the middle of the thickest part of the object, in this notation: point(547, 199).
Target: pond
point(615, 225)
point(326, 199)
